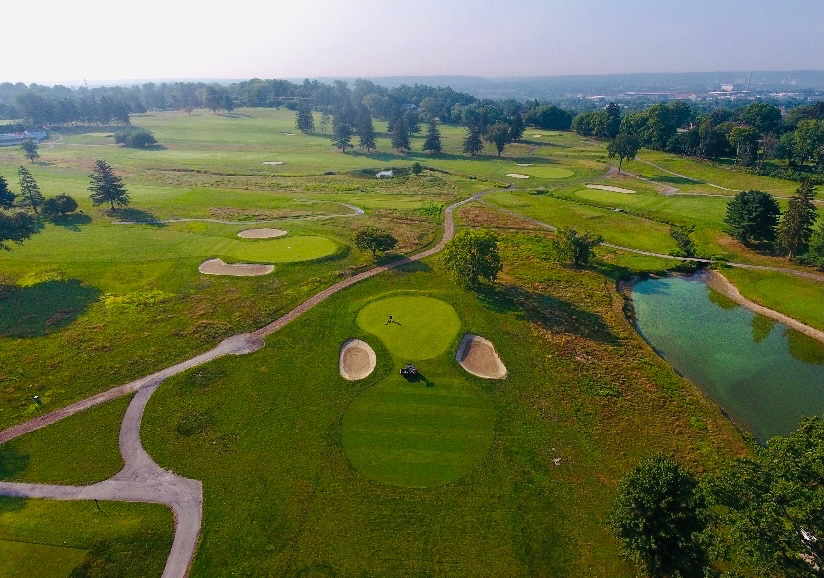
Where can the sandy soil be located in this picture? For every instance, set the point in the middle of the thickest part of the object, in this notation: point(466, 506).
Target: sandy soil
point(357, 359)
point(611, 188)
point(273, 162)
point(720, 283)
point(264, 233)
point(478, 356)
point(517, 176)
point(218, 267)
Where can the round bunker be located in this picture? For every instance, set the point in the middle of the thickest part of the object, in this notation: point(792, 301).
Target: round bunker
point(517, 176)
point(264, 233)
point(413, 327)
point(478, 356)
point(357, 359)
point(219, 267)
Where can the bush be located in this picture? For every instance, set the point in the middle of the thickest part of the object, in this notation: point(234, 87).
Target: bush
point(135, 137)
point(59, 206)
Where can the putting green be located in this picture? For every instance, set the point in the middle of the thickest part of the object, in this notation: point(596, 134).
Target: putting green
point(416, 434)
point(421, 328)
point(283, 250)
point(546, 172)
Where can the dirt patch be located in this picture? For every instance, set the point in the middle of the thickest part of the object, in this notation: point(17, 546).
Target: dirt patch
point(264, 233)
point(721, 284)
point(218, 267)
point(478, 356)
point(611, 188)
point(517, 176)
point(485, 217)
point(357, 359)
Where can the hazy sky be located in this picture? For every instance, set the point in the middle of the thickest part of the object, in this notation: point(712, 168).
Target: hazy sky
point(71, 40)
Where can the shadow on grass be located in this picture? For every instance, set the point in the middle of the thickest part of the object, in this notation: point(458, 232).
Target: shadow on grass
point(42, 308)
point(676, 180)
point(135, 215)
point(12, 463)
point(72, 222)
point(551, 313)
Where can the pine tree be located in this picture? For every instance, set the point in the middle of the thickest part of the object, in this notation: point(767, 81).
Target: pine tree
point(473, 144)
point(796, 226)
point(304, 120)
point(106, 187)
point(432, 144)
point(30, 195)
point(516, 126)
point(341, 133)
point(6, 196)
point(400, 138)
point(365, 130)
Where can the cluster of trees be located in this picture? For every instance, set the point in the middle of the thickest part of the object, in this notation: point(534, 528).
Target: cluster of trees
point(754, 218)
point(760, 516)
point(19, 212)
point(135, 137)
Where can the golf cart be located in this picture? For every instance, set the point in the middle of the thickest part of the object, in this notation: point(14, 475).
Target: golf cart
point(409, 371)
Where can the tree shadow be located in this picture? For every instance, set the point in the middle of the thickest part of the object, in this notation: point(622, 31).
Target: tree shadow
point(234, 115)
point(10, 504)
point(804, 348)
point(12, 462)
point(42, 308)
point(130, 214)
point(673, 180)
point(410, 267)
point(72, 222)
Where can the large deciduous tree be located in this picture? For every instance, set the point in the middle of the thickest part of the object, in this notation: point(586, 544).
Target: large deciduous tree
point(623, 146)
point(59, 206)
point(30, 195)
point(375, 240)
point(656, 518)
point(752, 216)
point(796, 226)
point(498, 134)
point(574, 248)
point(16, 227)
point(106, 187)
point(472, 255)
point(304, 119)
point(30, 149)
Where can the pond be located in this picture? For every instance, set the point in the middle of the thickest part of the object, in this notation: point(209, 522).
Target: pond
point(763, 374)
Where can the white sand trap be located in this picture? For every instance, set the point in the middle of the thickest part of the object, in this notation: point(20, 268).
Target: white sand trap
point(524, 164)
point(264, 233)
point(478, 356)
point(357, 359)
point(610, 188)
point(273, 162)
point(537, 136)
point(517, 176)
point(218, 267)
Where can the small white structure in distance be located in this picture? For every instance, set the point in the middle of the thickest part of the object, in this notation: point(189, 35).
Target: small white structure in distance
point(15, 138)
point(385, 175)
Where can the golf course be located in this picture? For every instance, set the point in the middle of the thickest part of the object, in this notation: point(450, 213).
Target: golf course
point(211, 381)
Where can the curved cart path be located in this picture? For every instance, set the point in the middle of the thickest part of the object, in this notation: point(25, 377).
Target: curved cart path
point(141, 479)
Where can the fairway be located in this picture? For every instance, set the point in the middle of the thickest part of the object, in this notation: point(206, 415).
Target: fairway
point(421, 327)
point(288, 250)
point(37, 560)
point(421, 433)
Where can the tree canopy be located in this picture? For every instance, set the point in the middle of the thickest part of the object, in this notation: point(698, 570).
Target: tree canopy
point(59, 206)
point(796, 226)
point(432, 143)
point(623, 146)
point(752, 216)
point(106, 187)
point(473, 144)
point(6, 196)
point(472, 255)
point(304, 119)
point(30, 149)
point(375, 240)
point(16, 227)
point(498, 134)
point(574, 248)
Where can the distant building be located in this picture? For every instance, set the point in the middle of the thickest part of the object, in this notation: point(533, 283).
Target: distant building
point(15, 138)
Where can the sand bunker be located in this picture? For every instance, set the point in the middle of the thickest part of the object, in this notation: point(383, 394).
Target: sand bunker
point(218, 267)
point(524, 164)
point(537, 135)
point(478, 356)
point(610, 188)
point(264, 233)
point(517, 176)
point(357, 359)
point(273, 162)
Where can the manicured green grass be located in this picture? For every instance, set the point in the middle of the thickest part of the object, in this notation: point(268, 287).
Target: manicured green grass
point(78, 450)
point(45, 539)
point(421, 327)
point(37, 560)
point(291, 249)
point(426, 432)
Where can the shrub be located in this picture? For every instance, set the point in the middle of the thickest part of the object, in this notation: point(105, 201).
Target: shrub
point(135, 137)
point(59, 206)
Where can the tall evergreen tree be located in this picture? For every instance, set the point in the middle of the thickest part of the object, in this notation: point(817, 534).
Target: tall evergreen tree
point(304, 120)
point(365, 129)
point(473, 143)
point(516, 126)
point(400, 138)
point(341, 133)
point(796, 226)
point(432, 144)
point(30, 195)
point(106, 187)
point(752, 216)
point(6, 196)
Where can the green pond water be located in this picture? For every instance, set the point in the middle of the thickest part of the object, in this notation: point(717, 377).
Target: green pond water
point(765, 375)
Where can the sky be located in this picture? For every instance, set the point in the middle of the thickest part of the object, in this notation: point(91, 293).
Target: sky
point(59, 41)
